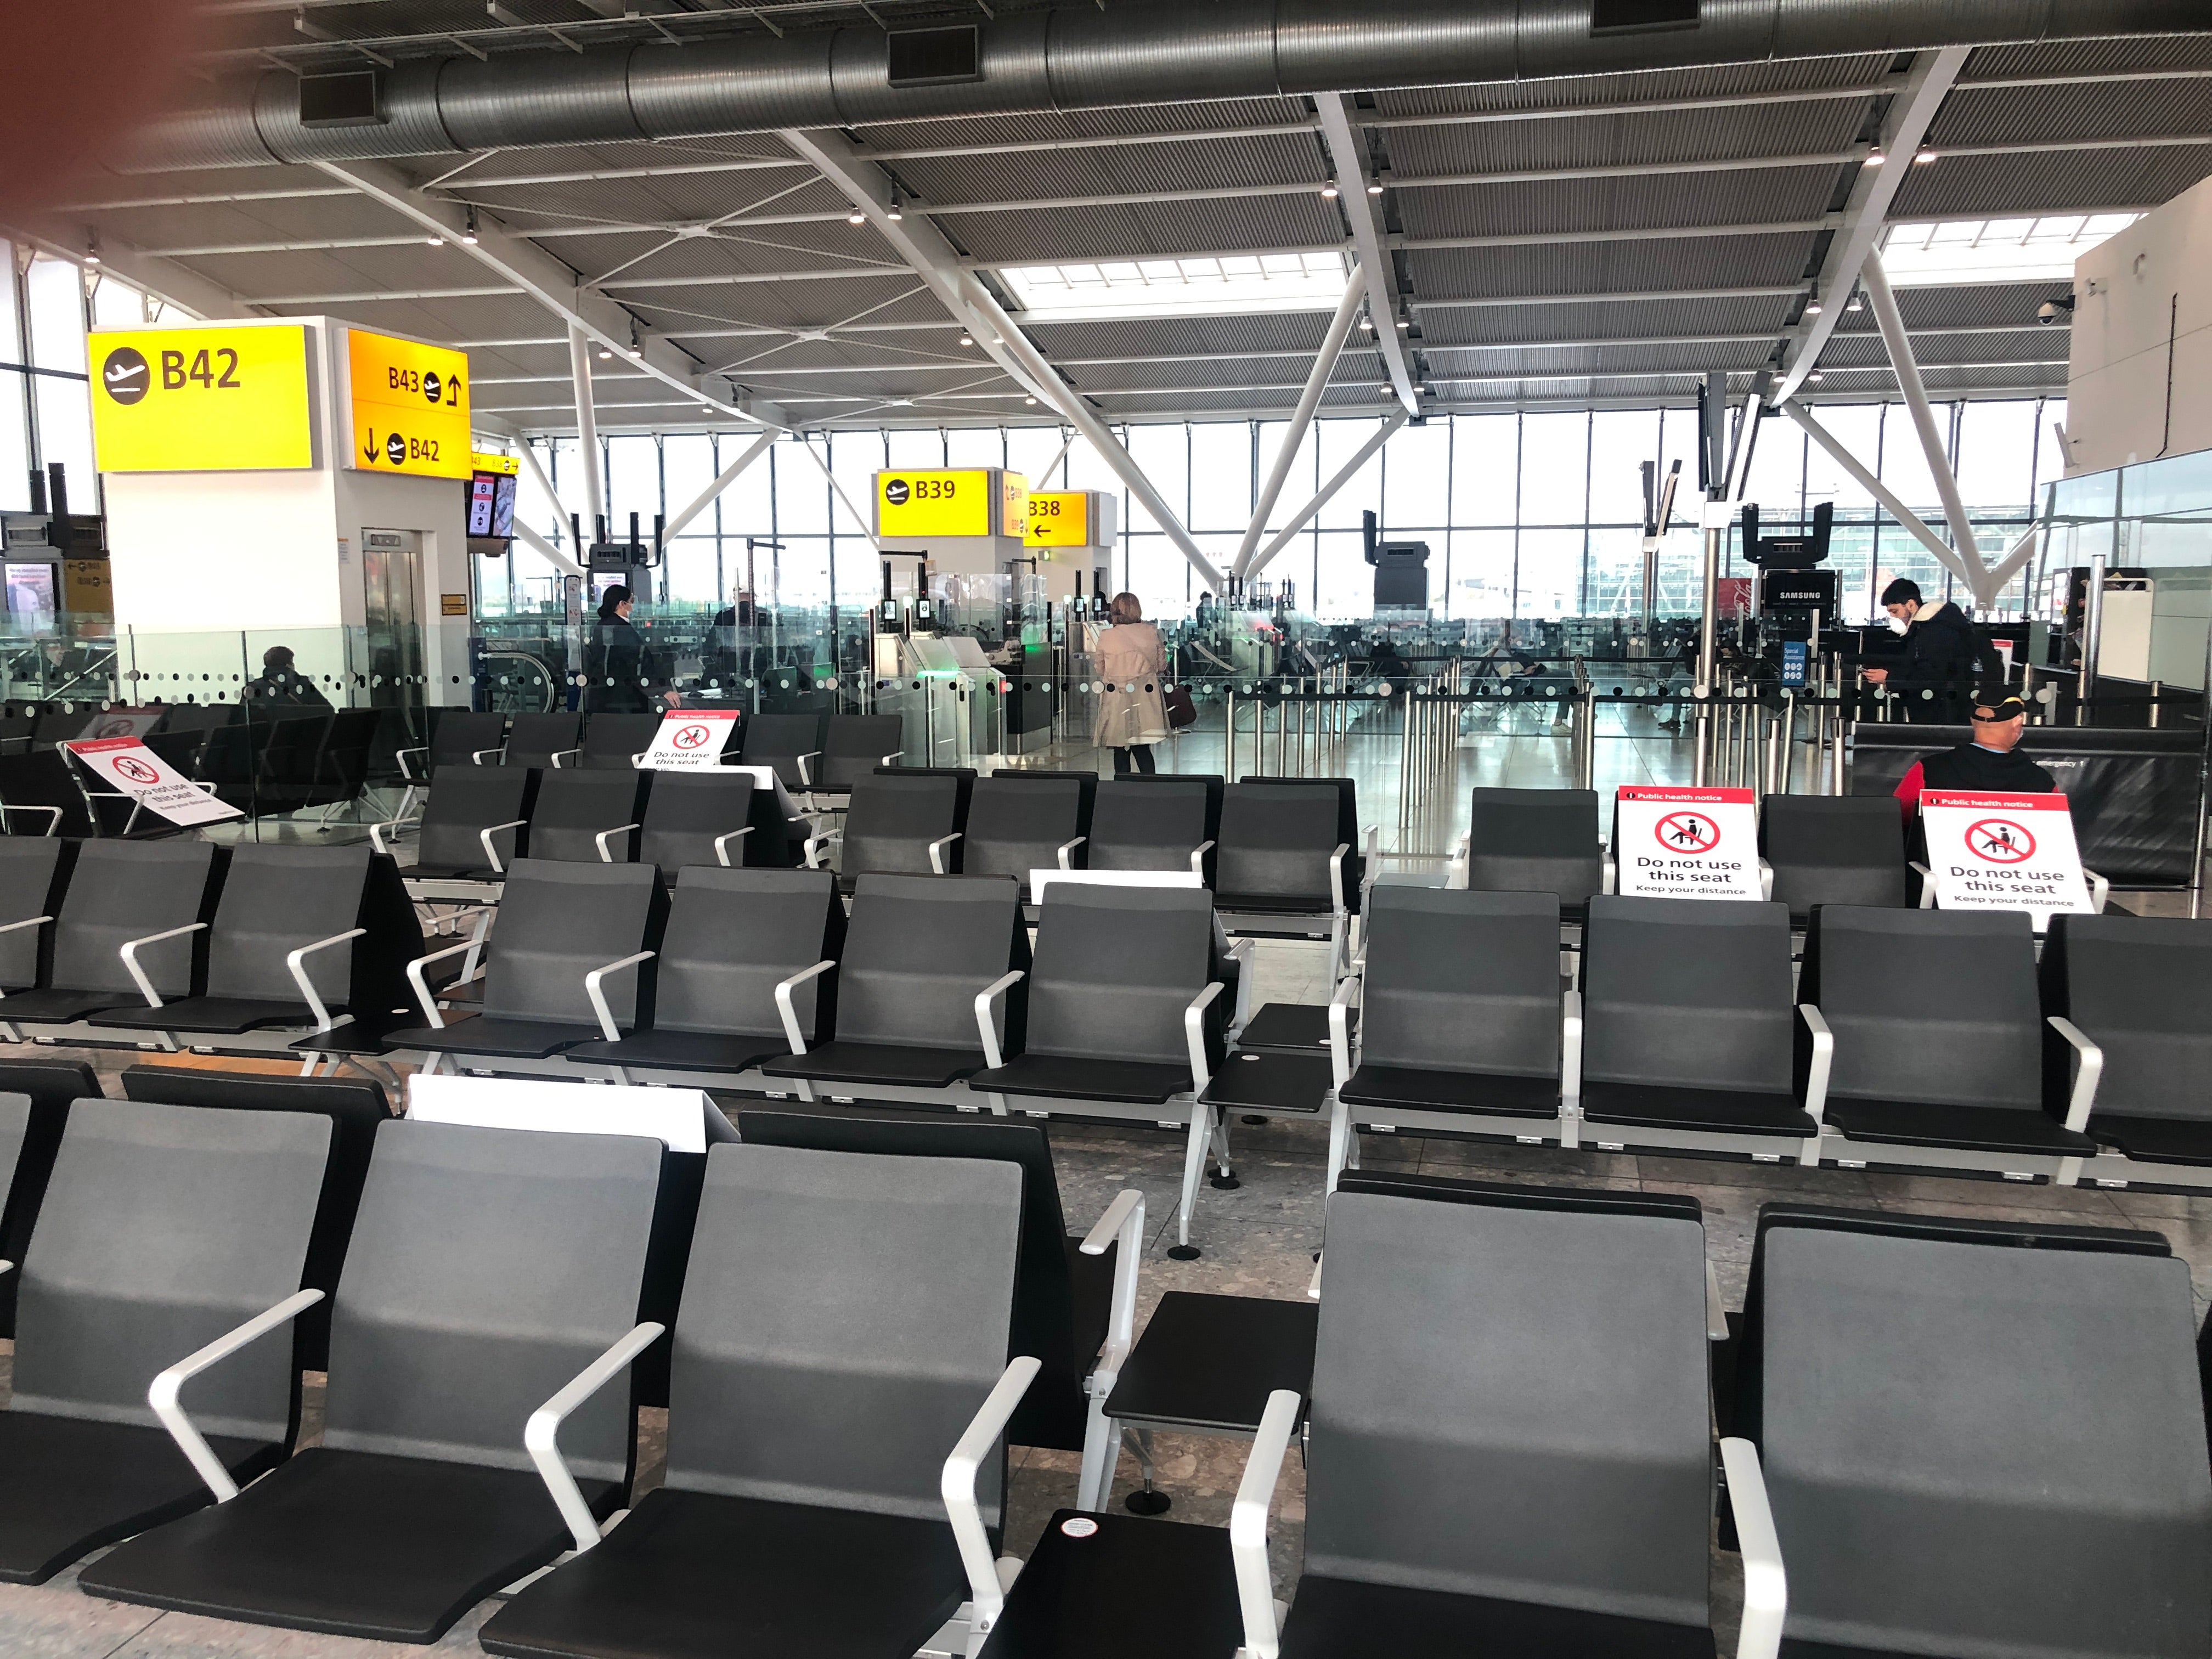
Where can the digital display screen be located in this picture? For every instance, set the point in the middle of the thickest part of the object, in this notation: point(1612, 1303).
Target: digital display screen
point(491, 505)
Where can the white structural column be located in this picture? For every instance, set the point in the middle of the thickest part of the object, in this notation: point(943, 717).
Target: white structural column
point(1881, 492)
point(560, 560)
point(727, 477)
point(1891, 321)
point(1348, 156)
point(587, 428)
point(1332, 347)
point(1343, 475)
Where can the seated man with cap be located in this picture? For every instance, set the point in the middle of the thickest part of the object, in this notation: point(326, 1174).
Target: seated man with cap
point(1991, 760)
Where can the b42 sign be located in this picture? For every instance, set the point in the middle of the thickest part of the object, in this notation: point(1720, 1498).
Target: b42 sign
point(220, 399)
point(410, 406)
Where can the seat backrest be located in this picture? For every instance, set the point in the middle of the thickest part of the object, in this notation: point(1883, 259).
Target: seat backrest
point(574, 806)
point(488, 1268)
point(2139, 987)
point(612, 742)
point(1277, 837)
point(920, 948)
point(49, 1086)
point(1927, 1005)
point(126, 889)
point(1018, 822)
point(1155, 824)
point(1510, 1399)
point(733, 936)
point(558, 922)
point(534, 739)
point(161, 1230)
point(778, 741)
point(895, 814)
point(1688, 994)
point(459, 734)
point(854, 745)
point(1116, 969)
point(824, 1356)
point(15, 1124)
point(1461, 982)
point(465, 800)
point(1536, 841)
point(685, 813)
point(1834, 849)
point(35, 872)
point(276, 899)
point(1918, 1386)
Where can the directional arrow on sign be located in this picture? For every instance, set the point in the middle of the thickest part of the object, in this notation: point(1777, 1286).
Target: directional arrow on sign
point(368, 450)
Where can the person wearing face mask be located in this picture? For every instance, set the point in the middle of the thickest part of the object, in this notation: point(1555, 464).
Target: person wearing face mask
point(1942, 652)
point(1990, 760)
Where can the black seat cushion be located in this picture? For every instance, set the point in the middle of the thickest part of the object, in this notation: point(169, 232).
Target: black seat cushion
point(880, 1062)
point(1091, 1287)
point(1275, 904)
point(1973, 1128)
point(59, 1005)
point(1653, 1106)
point(390, 1549)
point(1210, 1362)
point(217, 1016)
point(1410, 1089)
point(1345, 1618)
point(504, 1039)
point(2154, 1139)
point(681, 1051)
point(1125, 1587)
point(1063, 1079)
point(69, 1484)
point(689, 1575)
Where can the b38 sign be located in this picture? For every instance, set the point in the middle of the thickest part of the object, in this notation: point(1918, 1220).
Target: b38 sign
point(1686, 844)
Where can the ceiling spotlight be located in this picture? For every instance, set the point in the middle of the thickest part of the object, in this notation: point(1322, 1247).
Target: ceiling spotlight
point(966, 338)
point(433, 241)
point(607, 354)
point(1816, 377)
point(468, 230)
point(91, 247)
point(1328, 191)
point(1874, 158)
point(1374, 186)
point(1402, 323)
point(1031, 402)
point(897, 210)
point(1925, 156)
point(1812, 307)
point(1367, 323)
point(1858, 302)
point(856, 217)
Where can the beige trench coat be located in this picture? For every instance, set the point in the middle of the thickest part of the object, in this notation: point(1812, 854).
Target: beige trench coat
point(1130, 661)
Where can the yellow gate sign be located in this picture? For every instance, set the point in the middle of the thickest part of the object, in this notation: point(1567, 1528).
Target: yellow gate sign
point(1059, 518)
point(410, 406)
point(219, 398)
point(934, 502)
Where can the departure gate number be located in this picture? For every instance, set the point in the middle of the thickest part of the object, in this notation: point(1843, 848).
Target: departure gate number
point(218, 368)
point(430, 385)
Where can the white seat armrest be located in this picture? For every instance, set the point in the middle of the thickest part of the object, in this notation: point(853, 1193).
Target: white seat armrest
point(162, 1396)
point(2089, 1067)
point(295, 965)
point(1248, 1524)
point(128, 952)
point(601, 840)
point(957, 1486)
point(1198, 857)
point(1823, 1061)
point(1766, 1585)
point(986, 1026)
point(429, 1004)
point(1571, 1053)
point(796, 1037)
point(1194, 1036)
point(1927, 884)
point(723, 845)
point(1766, 879)
point(541, 1435)
point(937, 851)
point(1065, 851)
point(595, 989)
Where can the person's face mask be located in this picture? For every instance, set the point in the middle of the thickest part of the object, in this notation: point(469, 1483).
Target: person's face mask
point(1899, 625)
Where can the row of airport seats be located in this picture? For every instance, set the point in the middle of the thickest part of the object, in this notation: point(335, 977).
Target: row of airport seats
point(1508, 1430)
point(1913, 1039)
point(807, 751)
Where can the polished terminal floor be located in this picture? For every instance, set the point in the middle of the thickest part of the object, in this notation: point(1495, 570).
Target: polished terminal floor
point(1258, 1239)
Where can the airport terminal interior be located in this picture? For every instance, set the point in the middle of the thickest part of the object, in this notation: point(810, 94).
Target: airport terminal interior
point(1292, 830)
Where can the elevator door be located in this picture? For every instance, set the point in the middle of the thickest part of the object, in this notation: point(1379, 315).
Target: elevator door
point(392, 584)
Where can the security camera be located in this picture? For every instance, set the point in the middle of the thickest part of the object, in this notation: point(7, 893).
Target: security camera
point(2052, 311)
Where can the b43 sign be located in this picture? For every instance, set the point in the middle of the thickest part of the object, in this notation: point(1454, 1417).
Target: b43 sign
point(214, 400)
point(410, 406)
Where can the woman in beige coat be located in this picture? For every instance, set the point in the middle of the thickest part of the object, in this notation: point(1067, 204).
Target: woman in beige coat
point(1133, 711)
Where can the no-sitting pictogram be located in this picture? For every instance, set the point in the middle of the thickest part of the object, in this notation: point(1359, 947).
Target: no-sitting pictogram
point(1687, 832)
point(136, 770)
point(2000, 841)
point(690, 736)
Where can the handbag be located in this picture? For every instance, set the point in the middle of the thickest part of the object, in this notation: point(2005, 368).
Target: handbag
point(1182, 711)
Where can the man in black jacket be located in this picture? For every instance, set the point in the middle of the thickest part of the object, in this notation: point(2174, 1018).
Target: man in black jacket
point(1938, 663)
point(1991, 760)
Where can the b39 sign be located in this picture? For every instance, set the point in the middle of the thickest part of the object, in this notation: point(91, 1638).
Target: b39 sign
point(1993, 852)
point(1686, 844)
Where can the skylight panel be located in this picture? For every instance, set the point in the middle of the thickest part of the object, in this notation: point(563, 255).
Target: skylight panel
point(1226, 285)
point(1962, 250)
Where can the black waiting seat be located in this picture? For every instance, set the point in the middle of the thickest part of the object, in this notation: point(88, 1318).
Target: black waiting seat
point(34, 873)
point(163, 1230)
point(1537, 841)
point(789, 744)
point(279, 900)
point(854, 745)
point(121, 893)
point(1690, 1028)
point(458, 736)
point(1165, 822)
point(1978, 1437)
point(1288, 847)
point(476, 823)
point(1461, 1020)
point(1019, 822)
point(558, 923)
point(903, 821)
point(613, 743)
point(702, 818)
point(733, 936)
point(825, 1366)
point(354, 1107)
point(1938, 1040)
point(543, 741)
point(488, 1268)
point(918, 951)
point(46, 1088)
point(589, 816)
point(1833, 849)
point(1508, 1445)
point(2137, 987)
point(39, 796)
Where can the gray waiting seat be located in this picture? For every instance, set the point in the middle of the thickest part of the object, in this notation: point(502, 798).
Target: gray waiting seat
point(162, 1228)
point(1691, 1031)
point(852, 747)
point(475, 825)
point(901, 821)
point(1831, 849)
point(589, 816)
point(541, 741)
point(34, 873)
point(1508, 1445)
point(1019, 822)
point(488, 1268)
point(825, 1366)
point(1978, 1437)
point(704, 817)
point(789, 744)
point(1464, 1029)
point(146, 897)
point(44, 1089)
point(1288, 862)
point(1168, 821)
point(1537, 841)
point(612, 742)
point(1938, 1043)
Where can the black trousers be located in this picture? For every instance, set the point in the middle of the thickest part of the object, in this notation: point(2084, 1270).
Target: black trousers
point(1143, 751)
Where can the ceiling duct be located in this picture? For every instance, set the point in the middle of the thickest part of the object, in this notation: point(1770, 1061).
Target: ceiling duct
point(1077, 57)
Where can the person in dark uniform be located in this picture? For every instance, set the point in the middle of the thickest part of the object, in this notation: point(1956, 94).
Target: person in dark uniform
point(619, 664)
point(1991, 761)
point(1942, 653)
point(281, 685)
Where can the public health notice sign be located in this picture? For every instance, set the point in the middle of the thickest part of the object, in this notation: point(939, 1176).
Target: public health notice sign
point(1993, 851)
point(1686, 844)
point(137, 771)
point(689, 742)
